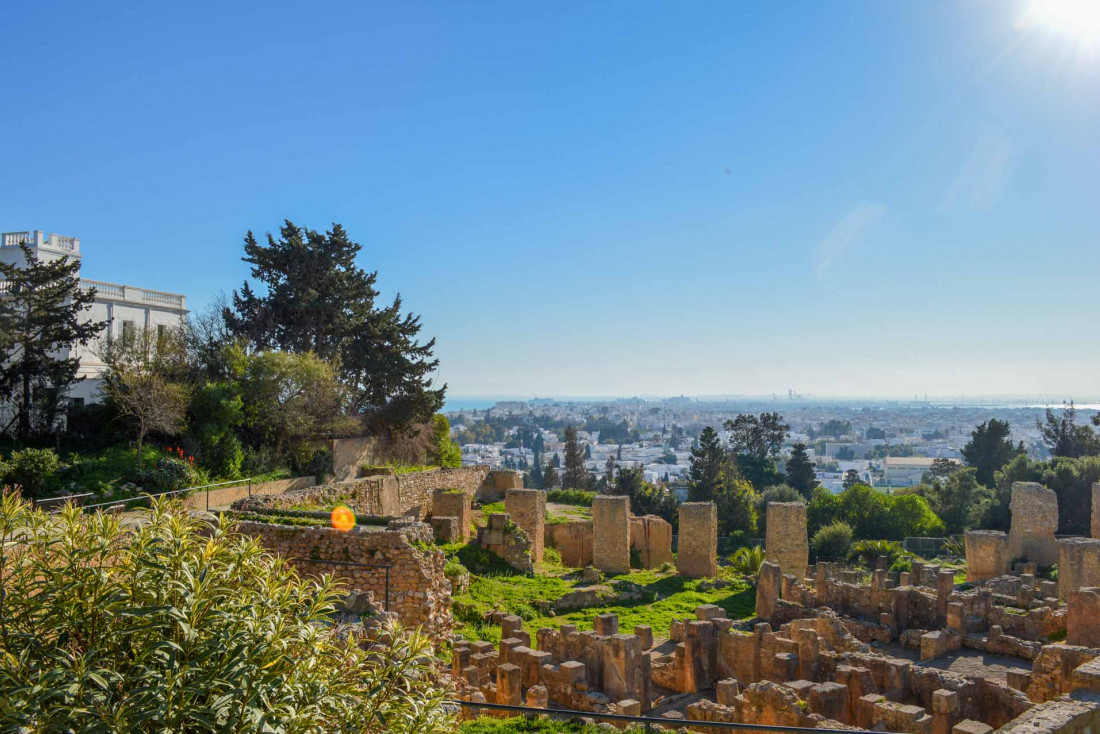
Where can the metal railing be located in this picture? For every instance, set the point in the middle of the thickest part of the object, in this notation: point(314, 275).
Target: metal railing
point(148, 497)
point(648, 722)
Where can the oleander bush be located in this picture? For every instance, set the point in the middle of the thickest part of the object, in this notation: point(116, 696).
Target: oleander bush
point(178, 624)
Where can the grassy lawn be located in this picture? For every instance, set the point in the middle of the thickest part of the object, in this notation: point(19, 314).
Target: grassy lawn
point(664, 597)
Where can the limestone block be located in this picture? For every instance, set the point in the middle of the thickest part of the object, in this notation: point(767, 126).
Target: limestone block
point(830, 700)
point(986, 554)
point(572, 540)
point(1083, 619)
point(454, 503)
point(645, 635)
point(1078, 565)
point(611, 534)
point(945, 711)
point(651, 537)
point(447, 529)
point(767, 589)
point(1096, 510)
point(969, 726)
point(697, 552)
point(787, 544)
point(1034, 522)
point(527, 508)
point(606, 625)
point(726, 691)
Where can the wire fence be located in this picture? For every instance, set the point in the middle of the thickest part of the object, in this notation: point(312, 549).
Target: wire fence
point(647, 723)
point(52, 504)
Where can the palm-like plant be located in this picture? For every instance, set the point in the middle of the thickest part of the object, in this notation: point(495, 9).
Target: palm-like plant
point(868, 551)
point(177, 625)
point(747, 561)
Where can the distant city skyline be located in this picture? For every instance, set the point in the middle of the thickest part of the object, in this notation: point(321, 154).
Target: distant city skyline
point(876, 199)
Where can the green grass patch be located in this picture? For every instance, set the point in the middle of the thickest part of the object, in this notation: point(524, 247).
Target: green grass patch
point(578, 497)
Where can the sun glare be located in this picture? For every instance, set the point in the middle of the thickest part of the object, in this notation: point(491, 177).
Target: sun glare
point(1075, 20)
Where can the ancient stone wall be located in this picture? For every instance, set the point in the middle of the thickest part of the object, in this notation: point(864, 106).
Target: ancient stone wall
point(228, 495)
point(414, 490)
point(1083, 621)
point(611, 534)
point(651, 537)
point(527, 508)
point(986, 554)
point(419, 593)
point(697, 549)
point(1096, 510)
point(497, 483)
point(1034, 523)
point(454, 503)
point(787, 544)
point(572, 540)
point(1078, 565)
point(507, 540)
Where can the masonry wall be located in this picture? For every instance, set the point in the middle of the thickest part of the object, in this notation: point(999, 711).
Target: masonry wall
point(572, 540)
point(1034, 523)
point(651, 538)
point(228, 495)
point(697, 546)
point(419, 593)
point(986, 554)
point(527, 508)
point(1078, 565)
point(1096, 510)
point(787, 544)
point(611, 534)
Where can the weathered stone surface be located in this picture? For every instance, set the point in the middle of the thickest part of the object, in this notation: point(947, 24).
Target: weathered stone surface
point(1078, 565)
point(527, 508)
point(767, 589)
point(1096, 510)
point(697, 551)
point(1034, 522)
point(572, 540)
point(787, 544)
point(1083, 621)
point(454, 503)
point(651, 538)
point(611, 534)
point(507, 540)
point(986, 554)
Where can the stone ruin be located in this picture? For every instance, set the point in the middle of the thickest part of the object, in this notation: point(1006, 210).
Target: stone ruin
point(505, 539)
point(650, 539)
point(611, 534)
point(1030, 537)
point(697, 552)
point(527, 508)
point(830, 646)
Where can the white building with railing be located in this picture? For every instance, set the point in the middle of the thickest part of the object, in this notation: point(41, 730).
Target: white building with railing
point(125, 308)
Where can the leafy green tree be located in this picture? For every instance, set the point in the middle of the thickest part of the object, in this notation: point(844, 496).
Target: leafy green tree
point(575, 475)
point(709, 460)
point(832, 541)
point(141, 386)
point(33, 471)
point(759, 471)
point(941, 469)
point(216, 412)
point(852, 478)
point(736, 505)
point(550, 478)
point(961, 501)
point(42, 326)
point(761, 436)
point(1064, 437)
point(645, 498)
point(291, 400)
point(443, 451)
point(317, 300)
point(990, 448)
point(536, 477)
point(177, 624)
point(909, 515)
point(800, 471)
point(1070, 479)
point(835, 427)
point(875, 433)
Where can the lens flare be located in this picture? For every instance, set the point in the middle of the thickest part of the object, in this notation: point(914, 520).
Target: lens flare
point(343, 518)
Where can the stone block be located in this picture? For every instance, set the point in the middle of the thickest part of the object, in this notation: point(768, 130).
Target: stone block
point(447, 529)
point(527, 508)
point(986, 554)
point(1083, 617)
point(969, 726)
point(454, 503)
point(1034, 523)
point(787, 544)
point(611, 534)
point(651, 538)
point(606, 625)
point(1096, 510)
point(726, 691)
point(697, 551)
point(767, 589)
point(645, 635)
point(1078, 565)
point(572, 540)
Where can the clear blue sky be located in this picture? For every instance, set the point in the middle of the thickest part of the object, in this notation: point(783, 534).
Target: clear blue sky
point(846, 198)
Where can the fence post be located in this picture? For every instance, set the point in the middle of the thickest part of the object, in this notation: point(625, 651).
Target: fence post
point(250, 487)
point(208, 499)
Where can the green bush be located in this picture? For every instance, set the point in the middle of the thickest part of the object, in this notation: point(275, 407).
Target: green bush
point(170, 473)
point(832, 541)
point(578, 497)
point(747, 561)
point(33, 470)
point(902, 564)
point(174, 625)
point(868, 552)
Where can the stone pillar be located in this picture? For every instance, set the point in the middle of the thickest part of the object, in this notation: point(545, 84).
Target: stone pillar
point(1034, 522)
point(1083, 618)
point(986, 555)
point(787, 544)
point(945, 584)
point(527, 508)
point(509, 685)
point(945, 711)
point(767, 589)
point(626, 670)
point(453, 503)
point(611, 534)
point(1096, 510)
point(697, 553)
point(1078, 565)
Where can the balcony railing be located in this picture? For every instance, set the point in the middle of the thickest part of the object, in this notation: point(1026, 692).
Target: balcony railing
point(130, 294)
point(14, 239)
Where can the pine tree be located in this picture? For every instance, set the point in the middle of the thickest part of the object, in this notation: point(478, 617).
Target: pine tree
point(708, 461)
point(41, 309)
point(800, 471)
point(609, 468)
point(575, 475)
point(851, 478)
point(318, 300)
point(537, 481)
point(550, 476)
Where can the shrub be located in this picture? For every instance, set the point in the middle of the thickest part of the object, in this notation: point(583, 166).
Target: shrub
point(182, 624)
point(578, 497)
point(867, 552)
point(169, 474)
point(747, 561)
point(832, 541)
point(902, 564)
point(34, 470)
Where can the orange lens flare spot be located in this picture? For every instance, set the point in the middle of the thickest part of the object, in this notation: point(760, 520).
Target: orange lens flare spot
point(343, 518)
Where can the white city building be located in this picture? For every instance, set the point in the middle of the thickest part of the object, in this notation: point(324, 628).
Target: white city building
point(125, 308)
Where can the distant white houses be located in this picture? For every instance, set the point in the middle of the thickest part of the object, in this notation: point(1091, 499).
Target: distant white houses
point(905, 471)
point(125, 308)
